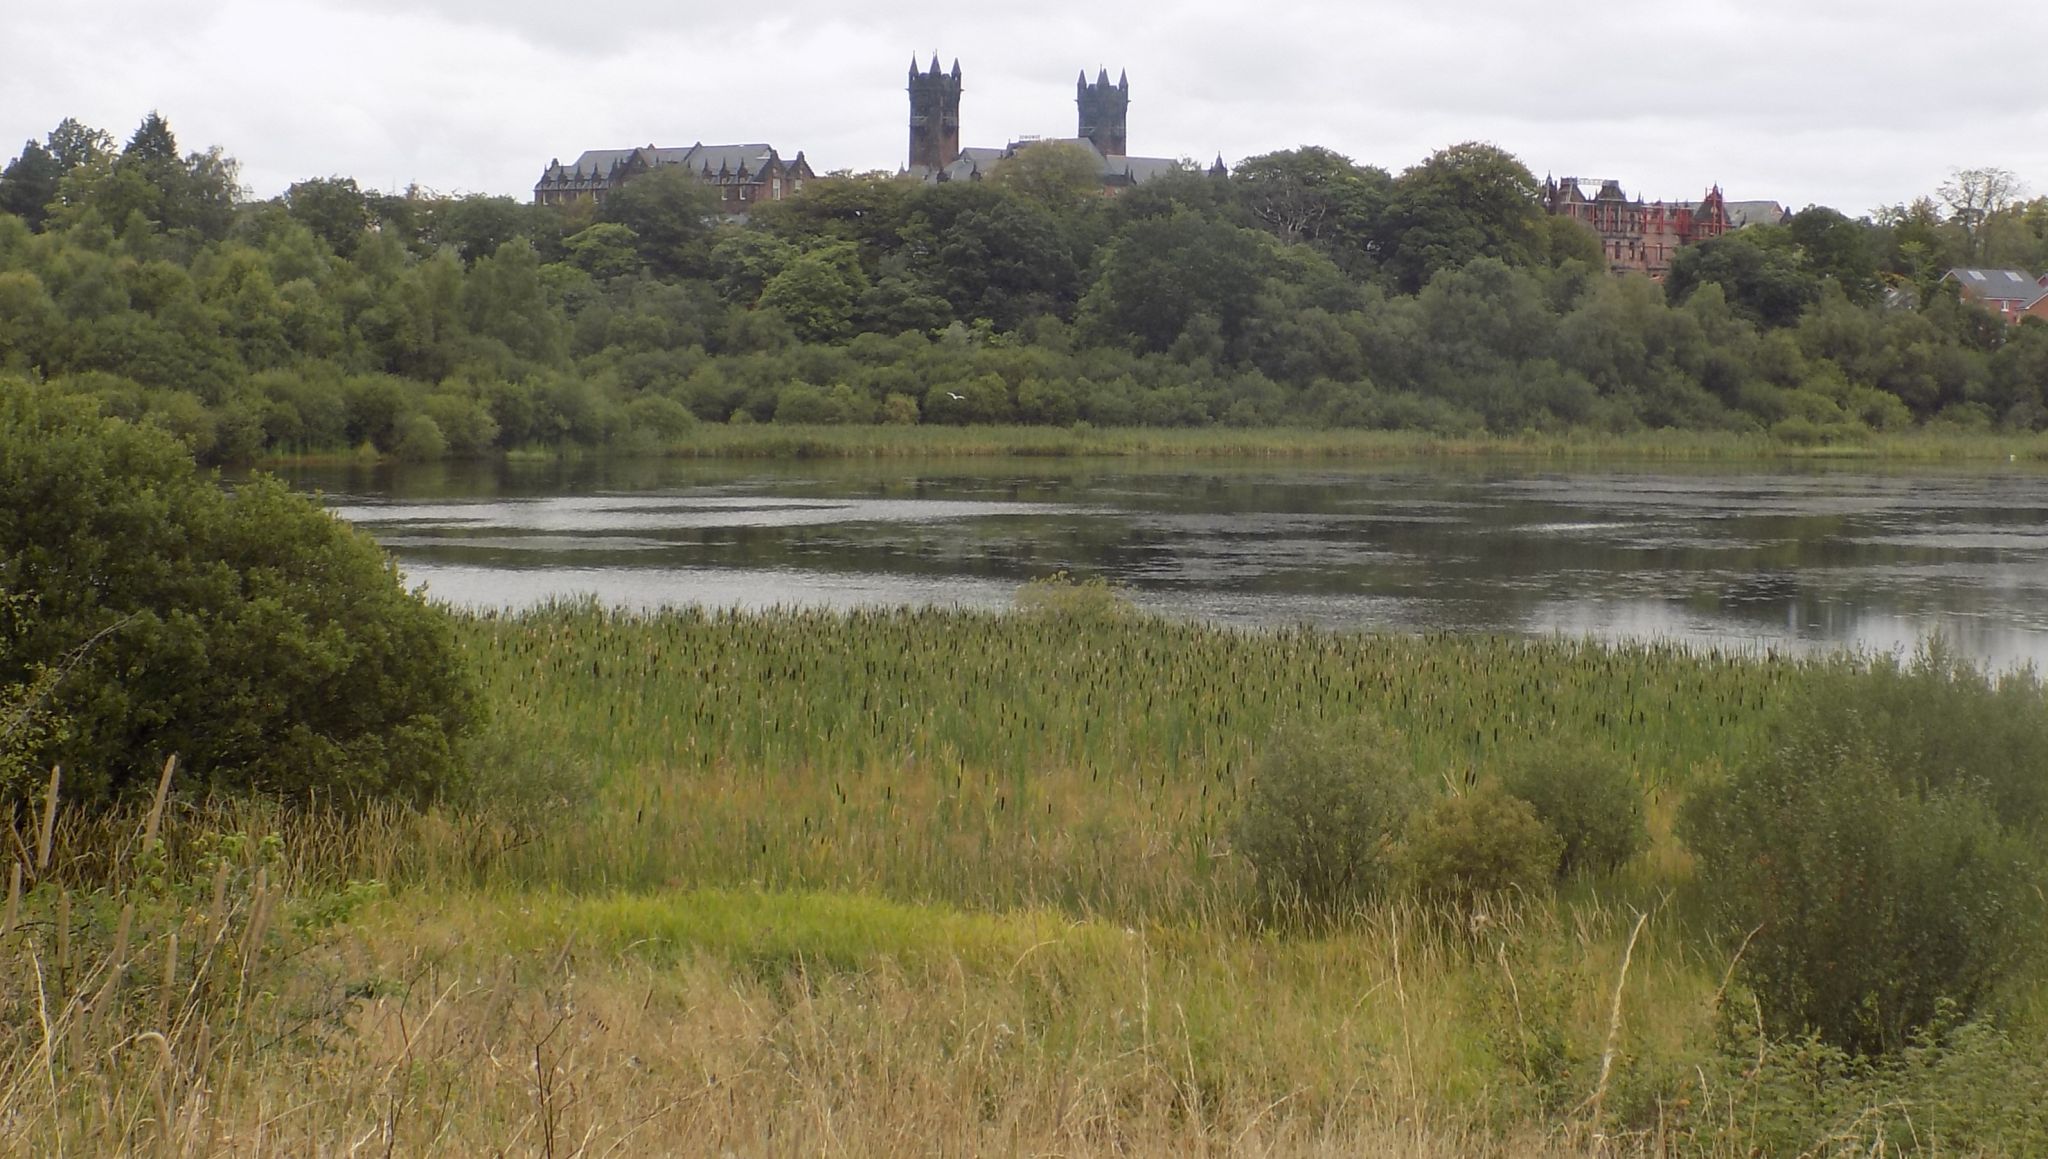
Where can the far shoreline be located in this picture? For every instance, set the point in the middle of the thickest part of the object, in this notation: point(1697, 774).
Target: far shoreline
point(768, 441)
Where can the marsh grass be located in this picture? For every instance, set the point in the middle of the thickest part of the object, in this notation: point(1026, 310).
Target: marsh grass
point(1089, 763)
point(937, 882)
point(779, 441)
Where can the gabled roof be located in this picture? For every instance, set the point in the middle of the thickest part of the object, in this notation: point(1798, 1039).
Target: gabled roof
point(1747, 213)
point(599, 164)
point(729, 158)
point(1999, 285)
point(975, 162)
point(1118, 170)
point(1138, 170)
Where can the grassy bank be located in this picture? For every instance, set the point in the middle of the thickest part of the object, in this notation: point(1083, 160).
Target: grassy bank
point(780, 441)
point(938, 882)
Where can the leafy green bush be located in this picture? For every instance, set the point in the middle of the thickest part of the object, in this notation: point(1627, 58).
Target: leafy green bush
point(266, 643)
point(1478, 844)
point(1060, 596)
point(1942, 723)
point(1869, 895)
point(1966, 1090)
point(1589, 798)
point(1322, 817)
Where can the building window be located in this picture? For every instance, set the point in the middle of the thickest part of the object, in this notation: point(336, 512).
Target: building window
point(775, 189)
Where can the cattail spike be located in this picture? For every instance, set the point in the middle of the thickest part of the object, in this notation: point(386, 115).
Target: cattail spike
point(170, 982)
point(120, 957)
point(63, 935)
point(13, 900)
point(49, 819)
point(156, 808)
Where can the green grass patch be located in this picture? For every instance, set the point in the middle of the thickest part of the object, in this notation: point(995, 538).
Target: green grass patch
point(771, 932)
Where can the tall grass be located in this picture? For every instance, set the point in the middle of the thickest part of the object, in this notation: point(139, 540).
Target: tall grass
point(989, 759)
point(777, 441)
point(922, 880)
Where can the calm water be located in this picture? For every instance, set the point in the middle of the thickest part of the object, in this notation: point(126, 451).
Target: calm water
point(1729, 559)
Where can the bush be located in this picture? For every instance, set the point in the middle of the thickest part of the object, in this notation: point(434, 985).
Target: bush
point(1967, 1090)
point(419, 440)
point(267, 644)
point(1868, 896)
point(1478, 844)
point(1060, 596)
point(1941, 723)
point(1589, 798)
point(1320, 822)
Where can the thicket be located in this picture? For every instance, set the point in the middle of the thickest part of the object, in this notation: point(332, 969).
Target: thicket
point(1871, 867)
point(146, 612)
point(1588, 797)
point(1305, 289)
point(1323, 818)
point(1878, 863)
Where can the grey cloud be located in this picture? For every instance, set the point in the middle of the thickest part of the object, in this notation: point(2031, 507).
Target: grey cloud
point(1849, 104)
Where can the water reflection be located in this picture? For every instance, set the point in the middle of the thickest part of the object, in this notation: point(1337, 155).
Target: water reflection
point(1725, 559)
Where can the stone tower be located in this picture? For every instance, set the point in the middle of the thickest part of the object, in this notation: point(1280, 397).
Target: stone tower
point(1104, 109)
point(934, 117)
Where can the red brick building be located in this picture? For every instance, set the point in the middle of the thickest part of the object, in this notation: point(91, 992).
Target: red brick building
point(1639, 236)
point(2010, 294)
point(743, 175)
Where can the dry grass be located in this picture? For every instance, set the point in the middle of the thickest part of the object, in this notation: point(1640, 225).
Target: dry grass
point(761, 937)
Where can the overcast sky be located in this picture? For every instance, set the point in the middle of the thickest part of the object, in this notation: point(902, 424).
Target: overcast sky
point(1850, 104)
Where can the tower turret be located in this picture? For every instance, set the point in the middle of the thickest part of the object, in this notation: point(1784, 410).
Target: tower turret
point(1104, 111)
point(934, 116)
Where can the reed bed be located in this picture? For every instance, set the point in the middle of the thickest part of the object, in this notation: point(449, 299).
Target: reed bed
point(1087, 762)
point(778, 441)
point(915, 881)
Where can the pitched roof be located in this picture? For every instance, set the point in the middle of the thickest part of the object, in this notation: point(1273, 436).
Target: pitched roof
point(975, 162)
point(1746, 213)
point(598, 164)
point(1119, 169)
point(1999, 285)
point(1138, 170)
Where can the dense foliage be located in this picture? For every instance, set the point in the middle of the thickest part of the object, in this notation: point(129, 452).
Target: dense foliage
point(1587, 796)
point(1879, 858)
point(1323, 818)
point(1477, 846)
point(1304, 289)
point(145, 612)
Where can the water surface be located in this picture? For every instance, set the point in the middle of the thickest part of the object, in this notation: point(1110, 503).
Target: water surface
point(1716, 557)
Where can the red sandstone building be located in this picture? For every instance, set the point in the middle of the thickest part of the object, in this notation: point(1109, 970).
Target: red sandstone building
point(1639, 236)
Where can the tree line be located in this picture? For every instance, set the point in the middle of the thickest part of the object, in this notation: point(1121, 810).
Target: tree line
point(1302, 289)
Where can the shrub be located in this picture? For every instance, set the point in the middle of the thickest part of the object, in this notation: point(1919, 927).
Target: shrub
point(1966, 1090)
point(1868, 898)
point(1478, 844)
point(1320, 822)
point(419, 439)
point(1941, 723)
point(1589, 798)
point(662, 417)
point(266, 643)
point(899, 410)
point(1060, 596)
